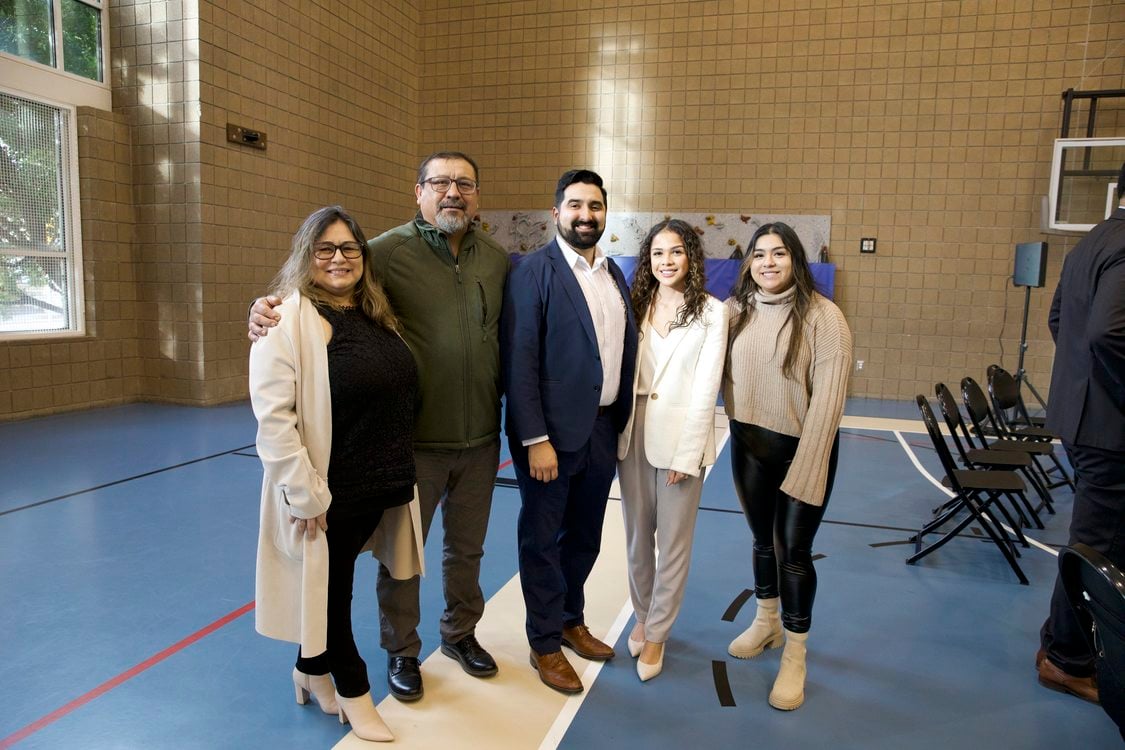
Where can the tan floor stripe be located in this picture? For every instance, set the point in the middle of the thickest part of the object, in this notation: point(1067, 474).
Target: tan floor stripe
point(513, 710)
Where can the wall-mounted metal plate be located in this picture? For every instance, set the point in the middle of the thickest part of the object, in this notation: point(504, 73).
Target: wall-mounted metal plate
point(246, 136)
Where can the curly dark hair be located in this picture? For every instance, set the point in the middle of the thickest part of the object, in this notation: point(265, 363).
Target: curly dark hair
point(645, 284)
point(803, 296)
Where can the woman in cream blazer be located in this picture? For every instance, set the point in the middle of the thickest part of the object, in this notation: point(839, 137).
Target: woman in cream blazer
point(330, 294)
point(670, 437)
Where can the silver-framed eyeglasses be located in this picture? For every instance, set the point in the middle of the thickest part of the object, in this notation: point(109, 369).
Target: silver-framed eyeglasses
point(440, 185)
point(327, 250)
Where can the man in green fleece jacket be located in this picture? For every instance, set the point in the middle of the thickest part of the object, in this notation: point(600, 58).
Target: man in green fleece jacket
point(445, 282)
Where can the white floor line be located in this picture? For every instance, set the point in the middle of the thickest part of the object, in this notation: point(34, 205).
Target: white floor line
point(566, 716)
point(948, 493)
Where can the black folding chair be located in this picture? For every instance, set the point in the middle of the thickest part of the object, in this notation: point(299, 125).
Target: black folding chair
point(977, 493)
point(984, 457)
point(1010, 409)
point(1006, 399)
point(1007, 388)
point(984, 423)
point(1096, 590)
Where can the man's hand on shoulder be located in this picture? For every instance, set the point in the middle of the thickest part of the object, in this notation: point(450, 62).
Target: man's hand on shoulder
point(263, 317)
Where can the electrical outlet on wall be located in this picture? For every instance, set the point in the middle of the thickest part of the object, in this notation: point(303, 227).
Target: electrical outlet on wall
point(859, 365)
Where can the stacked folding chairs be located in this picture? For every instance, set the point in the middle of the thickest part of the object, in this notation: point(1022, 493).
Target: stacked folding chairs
point(1003, 451)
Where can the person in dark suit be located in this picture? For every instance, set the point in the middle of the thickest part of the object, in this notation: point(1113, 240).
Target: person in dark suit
point(568, 348)
point(1087, 410)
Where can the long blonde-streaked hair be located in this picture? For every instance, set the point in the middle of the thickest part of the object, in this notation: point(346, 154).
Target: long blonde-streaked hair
point(296, 275)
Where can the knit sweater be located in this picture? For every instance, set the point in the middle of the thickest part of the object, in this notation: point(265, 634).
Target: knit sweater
point(755, 390)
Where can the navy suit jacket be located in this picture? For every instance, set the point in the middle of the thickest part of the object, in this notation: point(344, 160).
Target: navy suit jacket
point(550, 361)
point(1087, 321)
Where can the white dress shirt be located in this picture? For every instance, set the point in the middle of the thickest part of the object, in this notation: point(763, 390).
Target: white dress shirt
point(607, 308)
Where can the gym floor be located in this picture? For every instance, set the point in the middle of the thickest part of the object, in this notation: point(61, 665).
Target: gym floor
point(127, 573)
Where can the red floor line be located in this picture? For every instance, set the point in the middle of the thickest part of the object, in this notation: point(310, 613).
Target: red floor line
point(128, 674)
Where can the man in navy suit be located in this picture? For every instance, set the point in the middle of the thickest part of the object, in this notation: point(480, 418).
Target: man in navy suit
point(568, 348)
point(1087, 410)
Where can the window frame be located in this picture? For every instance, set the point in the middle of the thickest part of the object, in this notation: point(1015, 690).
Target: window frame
point(71, 88)
point(72, 221)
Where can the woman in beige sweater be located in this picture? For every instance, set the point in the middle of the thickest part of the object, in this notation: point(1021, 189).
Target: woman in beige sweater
point(784, 384)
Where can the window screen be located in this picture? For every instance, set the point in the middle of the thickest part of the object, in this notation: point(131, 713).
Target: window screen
point(38, 219)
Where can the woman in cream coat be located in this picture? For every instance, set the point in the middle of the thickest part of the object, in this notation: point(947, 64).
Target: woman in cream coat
point(292, 399)
point(670, 437)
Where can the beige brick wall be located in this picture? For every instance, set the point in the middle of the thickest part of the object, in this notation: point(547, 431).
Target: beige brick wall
point(927, 125)
point(154, 46)
point(334, 87)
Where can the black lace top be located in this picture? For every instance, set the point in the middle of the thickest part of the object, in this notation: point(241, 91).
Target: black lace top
point(373, 382)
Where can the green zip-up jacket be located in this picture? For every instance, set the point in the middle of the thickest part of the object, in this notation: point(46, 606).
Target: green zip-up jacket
point(450, 315)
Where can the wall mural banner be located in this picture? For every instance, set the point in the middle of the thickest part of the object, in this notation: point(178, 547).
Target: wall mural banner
point(724, 235)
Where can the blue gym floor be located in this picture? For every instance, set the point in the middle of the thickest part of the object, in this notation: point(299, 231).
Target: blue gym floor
point(127, 574)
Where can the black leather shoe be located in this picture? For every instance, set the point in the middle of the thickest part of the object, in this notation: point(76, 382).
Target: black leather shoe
point(474, 659)
point(404, 678)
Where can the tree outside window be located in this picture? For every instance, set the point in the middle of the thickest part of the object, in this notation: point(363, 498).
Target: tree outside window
point(31, 29)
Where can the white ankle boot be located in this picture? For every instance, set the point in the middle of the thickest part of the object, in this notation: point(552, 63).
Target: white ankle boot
point(764, 632)
point(364, 718)
point(317, 685)
point(789, 688)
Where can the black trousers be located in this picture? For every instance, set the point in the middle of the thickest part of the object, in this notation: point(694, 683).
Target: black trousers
point(560, 533)
point(783, 527)
point(1097, 519)
point(346, 537)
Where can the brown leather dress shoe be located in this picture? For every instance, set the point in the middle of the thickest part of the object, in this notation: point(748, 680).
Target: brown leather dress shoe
point(1054, 678)
point(579, 640)
point(555, 672)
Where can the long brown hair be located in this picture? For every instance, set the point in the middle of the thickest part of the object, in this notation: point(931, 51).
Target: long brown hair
point(645, 285)
point(803, 295)
point(296, 275)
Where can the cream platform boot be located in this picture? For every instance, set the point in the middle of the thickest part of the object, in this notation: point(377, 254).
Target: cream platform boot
point(789, 688)
point(764, 632)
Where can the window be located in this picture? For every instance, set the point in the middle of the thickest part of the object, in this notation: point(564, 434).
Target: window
point(57, 46)
point(40, 286)
point(31, 29)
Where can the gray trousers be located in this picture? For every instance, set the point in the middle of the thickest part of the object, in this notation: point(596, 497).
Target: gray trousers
point(461, 481)
point(656, 517)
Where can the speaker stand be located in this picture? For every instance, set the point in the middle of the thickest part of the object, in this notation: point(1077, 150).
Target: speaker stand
point(1021, 374)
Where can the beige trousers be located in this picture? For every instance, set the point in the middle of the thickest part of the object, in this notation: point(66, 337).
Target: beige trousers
point(657, 518)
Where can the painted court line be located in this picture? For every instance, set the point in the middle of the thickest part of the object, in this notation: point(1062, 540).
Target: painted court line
point(570, 710)
point(123, 481)
point(128, 674)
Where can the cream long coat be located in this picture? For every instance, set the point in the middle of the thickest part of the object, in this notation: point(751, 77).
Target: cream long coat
point(290, 394)
point(680, 415)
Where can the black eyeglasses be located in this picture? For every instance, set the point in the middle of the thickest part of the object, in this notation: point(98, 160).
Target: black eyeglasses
point(327, 250)
point(465, 186)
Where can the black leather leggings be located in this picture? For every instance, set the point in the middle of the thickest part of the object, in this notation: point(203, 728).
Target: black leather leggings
point(783, 527)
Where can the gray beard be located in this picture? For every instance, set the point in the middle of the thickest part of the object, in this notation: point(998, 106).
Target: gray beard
point(450, 224)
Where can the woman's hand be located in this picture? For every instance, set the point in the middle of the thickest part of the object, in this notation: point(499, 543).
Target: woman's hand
point(309, 525)
point(675, 477)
